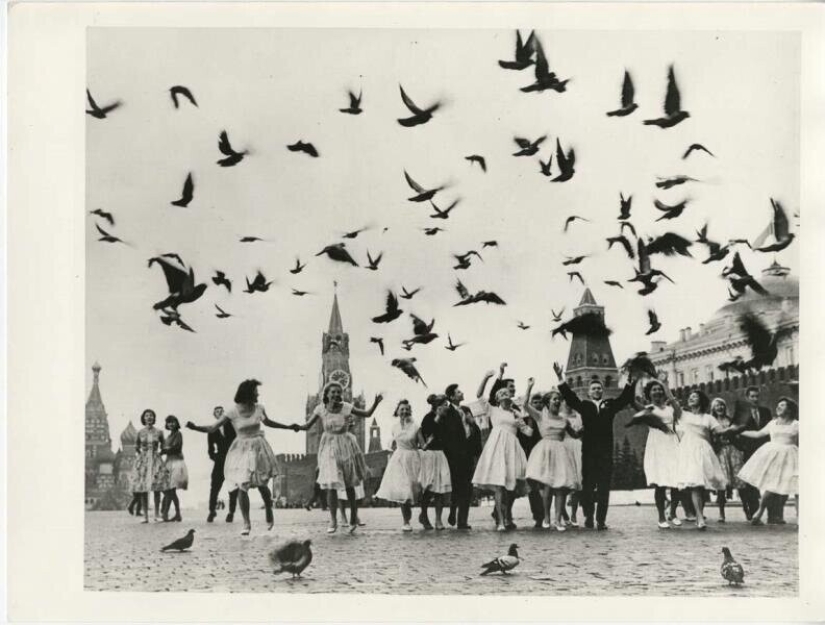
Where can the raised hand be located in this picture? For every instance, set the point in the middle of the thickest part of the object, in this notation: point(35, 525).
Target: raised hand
point(378, 398)
point(501, 368)
point(490, 373)
point(531, 381)
point(190, 425)
point(559, 371)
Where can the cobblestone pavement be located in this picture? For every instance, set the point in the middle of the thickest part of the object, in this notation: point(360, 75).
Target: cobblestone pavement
point(632, 558)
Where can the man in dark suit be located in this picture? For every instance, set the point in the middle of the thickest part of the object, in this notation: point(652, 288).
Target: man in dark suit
point(218, 444)
point(755, 417)
point(597, 443)
point(462, 445)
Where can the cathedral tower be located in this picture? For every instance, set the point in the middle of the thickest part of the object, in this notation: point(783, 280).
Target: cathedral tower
point(591, 358)
point(334, 367)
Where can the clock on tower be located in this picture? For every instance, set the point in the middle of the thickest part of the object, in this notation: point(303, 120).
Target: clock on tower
point(341, 377)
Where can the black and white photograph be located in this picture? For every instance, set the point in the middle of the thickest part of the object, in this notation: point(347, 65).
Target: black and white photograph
point(442, 311)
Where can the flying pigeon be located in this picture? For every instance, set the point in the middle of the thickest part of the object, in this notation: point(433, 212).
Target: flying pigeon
point(292, 557)
point(338, 253)
point(523, 326)
point(181, 284)
point(528, 148)
point(780, 230)
point(654, 323)
point(624, 211)
point(181, 544)
point(443, 214)
point(373, 262)
point(670, 212)
point(354, 233)
point(423, 194)
point(100, 112)
point(106, 237)
point(179, 90)
point(391, 310)
point(762, 343)
point(587, 324)
point(405, 294)
point(613, 283)
point(624, 242)
point(672, 181)
point(419, 116)
point(639, 367)
point(450, 345)
point(628, 105)
point(475, 158)
point(298, 267)
point(739, 277)
point(573, 260)
point(378, 341)
point(232, 157)
point(650, 418)
point(250, 239)
point(423, 332)
point(546, 167)
point(573, 218)
point(354, 104)
point(489, 244)
point(502, 564)
point(187, 194)
point(673, 105)
point(731, 569)
point(575, 274)
point(407, 365)
point(669, 244)
point(694, 147)
point(306, 148)
point(220, 278)
point(524, 53)
point(432, 231)
point(103, 214)
point(168, 317)
point(258, 284)
point(557, 315)
point(221, 314)
point(545, 79)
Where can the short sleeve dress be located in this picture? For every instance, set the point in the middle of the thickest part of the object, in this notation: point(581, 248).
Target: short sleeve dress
point(774, 467)
point(662, 452)
point(434, 476)
point(341, 462)
point(574, 446)
point(150, 473)
point(697, 465)
point(250, 462)
point(730, 458)
point(178, 474)
point(400, 482)
point(502, 462)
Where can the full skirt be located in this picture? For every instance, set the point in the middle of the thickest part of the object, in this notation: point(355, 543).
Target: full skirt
point(178, 475)
point(249, 463)
point(697, 465)
point(502, 463)
point(551, 464)
point(574, 446)
point(400, 482)
point(773, 468)
point(150, 473)
point(341, 462)
point(731, 460)
point(434, 474)
point(360, 493)
point(661, 458)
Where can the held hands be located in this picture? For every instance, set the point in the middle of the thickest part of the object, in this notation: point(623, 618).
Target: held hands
point(295, 427)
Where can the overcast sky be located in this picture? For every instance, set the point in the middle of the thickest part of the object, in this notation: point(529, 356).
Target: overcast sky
point(269, 87)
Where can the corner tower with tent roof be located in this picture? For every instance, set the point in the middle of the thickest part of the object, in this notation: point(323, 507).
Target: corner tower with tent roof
point(591, 357)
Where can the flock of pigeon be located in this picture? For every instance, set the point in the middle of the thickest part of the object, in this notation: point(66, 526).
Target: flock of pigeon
point(296, 555)
point(640, 251)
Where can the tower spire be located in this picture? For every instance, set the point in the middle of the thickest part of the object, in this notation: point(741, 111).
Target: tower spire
point(335, 324)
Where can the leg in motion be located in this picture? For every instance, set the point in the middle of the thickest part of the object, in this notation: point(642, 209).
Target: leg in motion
point(243, 500)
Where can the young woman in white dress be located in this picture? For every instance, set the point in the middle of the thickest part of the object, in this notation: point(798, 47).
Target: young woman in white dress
point(661, 449)
point(400, 482)
point(551, 465)
point(697, 468)
point(774, 467)
point(434, 475)
point(502, 465)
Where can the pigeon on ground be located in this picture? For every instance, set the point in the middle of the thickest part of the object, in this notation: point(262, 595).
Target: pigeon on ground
point(181, 544)
point(628, 105)
point(354, 104)
point(419, 115)
point(502, 564)
point(179, 90)
point(732, 570)
point(187, 194)
point(673, 105)
point(524, 53)
point(103, 214)
point(100, 112)
point(292, 557)
point(232, 157)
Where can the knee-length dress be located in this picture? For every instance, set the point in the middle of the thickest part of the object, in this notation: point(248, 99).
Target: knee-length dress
point(178, 474)
point(400, 482)
point(551, 461)
point(662, 452)
point(250, 461)
point(150, 473)
point(730, 458)
point(434, 475)
point(502, 462)
point(341, 462)
point(697, 465)
point(774, 467)
point(574, 446)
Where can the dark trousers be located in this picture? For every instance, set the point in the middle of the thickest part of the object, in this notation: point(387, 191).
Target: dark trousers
point(536, 505)
point(461, 476)
point(597, 473)
point(215, 488)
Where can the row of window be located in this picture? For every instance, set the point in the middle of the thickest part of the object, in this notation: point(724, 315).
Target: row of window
point(712, 372)
point(577, 381)
point(594, 360)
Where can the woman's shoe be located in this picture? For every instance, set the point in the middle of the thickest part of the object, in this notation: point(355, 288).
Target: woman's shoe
point(246, 530)
point(332, 529)
point(501, 528)
point(406, 527)
point(756, 521)
point(177, 517)
point(352, 528)
point(676, 522)
point(438, 526)
point(664, 525)
point(559, 527)
point(545, 525)
point(701, 526)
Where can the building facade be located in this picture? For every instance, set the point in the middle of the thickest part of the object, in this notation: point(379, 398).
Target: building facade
point(695, 357)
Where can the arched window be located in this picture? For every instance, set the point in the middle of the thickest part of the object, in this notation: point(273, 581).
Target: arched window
point(595, 359)
point(578, 380)
point(578, 359)
point(605, 360)
point(608, 381)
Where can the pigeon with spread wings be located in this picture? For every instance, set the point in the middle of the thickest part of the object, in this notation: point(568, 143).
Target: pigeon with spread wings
point(419, 115)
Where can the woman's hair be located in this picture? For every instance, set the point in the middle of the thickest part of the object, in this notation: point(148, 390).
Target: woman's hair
point(325, 392)
point(173, 419)
point(549, 395)
point(704, 401)
point(146, 412)
point(246, 392)
point(436, 400)
point(719, 400)
point(403, 402)
point(649, 387)
point(793, 407)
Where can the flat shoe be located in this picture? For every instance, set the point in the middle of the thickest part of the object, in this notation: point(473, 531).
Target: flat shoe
point(677, 522)
point(664, 525)
point(501, 528)
point(545, 525)
point(406, 527)
point(701, 526)
point(332, 530)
